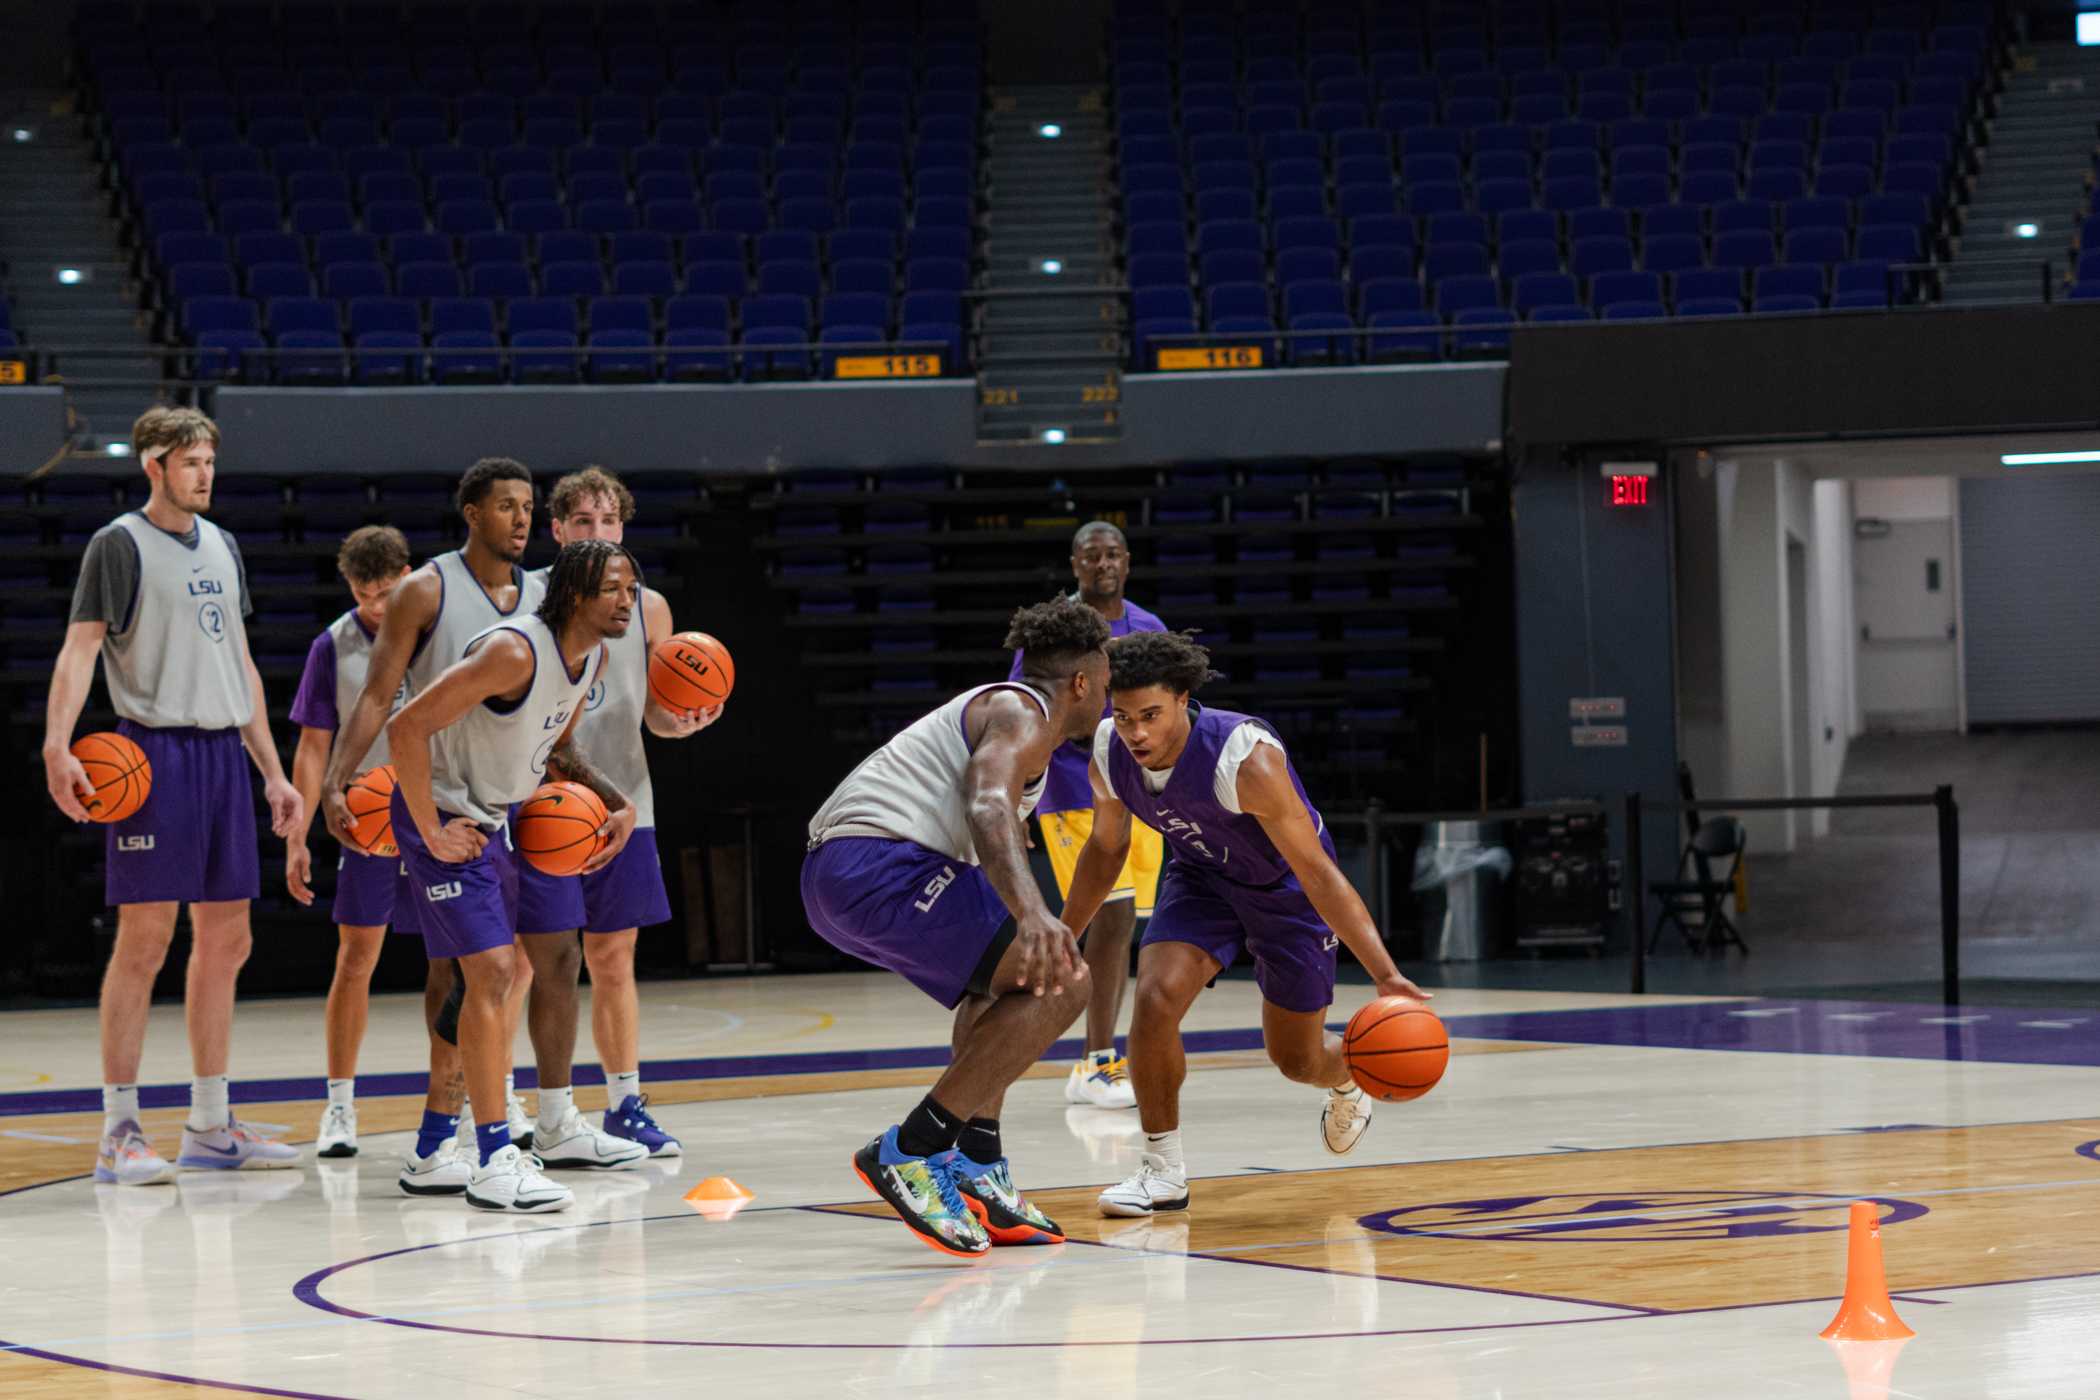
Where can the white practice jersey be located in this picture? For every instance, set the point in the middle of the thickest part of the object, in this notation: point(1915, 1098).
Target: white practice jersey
point(496, 753)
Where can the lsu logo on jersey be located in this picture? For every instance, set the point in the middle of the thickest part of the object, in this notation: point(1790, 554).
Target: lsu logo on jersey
point(451, 889)
point(134, 843)
point(934, 889)
point(1188, 833)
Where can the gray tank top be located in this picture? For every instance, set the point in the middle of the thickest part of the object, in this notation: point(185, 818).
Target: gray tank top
point(180, 662)
point(353, 661)
point(464, 612)
point(496, 753)
point(610, 731)
point(911, 789)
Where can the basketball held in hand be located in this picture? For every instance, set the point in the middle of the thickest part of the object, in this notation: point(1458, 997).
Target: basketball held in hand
point(371, 799)
point(690, 671)
point(119, 773)
point(557, 828)
point(1396, 1048)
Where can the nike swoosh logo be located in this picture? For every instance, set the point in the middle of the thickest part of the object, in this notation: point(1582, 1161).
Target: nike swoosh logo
point(196, 568)
point(222, 1151)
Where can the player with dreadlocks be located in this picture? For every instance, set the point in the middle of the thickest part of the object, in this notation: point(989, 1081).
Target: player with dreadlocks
point(481, 737)
point(1250, 867)
point(916, 863)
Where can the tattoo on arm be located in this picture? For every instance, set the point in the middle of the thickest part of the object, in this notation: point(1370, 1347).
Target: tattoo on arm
point(568, 764)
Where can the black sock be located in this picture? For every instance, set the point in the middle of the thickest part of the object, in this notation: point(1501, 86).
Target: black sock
point(928, 1130)
point(980, 1141)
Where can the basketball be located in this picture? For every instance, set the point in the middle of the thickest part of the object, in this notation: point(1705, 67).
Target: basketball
point(371, 798)
point(119, 772)
point(690, 671)
point(1396, 1048)
point(557, 828)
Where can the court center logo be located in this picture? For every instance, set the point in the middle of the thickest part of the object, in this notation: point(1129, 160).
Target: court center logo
point(1635, 1217)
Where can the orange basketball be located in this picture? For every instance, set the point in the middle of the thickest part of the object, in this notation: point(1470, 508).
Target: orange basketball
point(557, 828)
point(1396, 1048)
point(690, 671)
point(371, 799)
point(119, 772)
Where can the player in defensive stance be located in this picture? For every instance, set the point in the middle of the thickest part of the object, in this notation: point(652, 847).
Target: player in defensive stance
point(160, 598)
point(487, 732)
point(1251, 867)
point(610, 906)
point(916, 864)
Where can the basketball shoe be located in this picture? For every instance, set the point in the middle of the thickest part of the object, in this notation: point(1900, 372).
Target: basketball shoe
point(443, 1173)
point(516, 1119)
point(338, 1136)
point(924, 1193)
point(1153, 1187)
point(233, 1147)
point(127, 1159)
point(631, 1120)
point(989, 1193)
point(1343, 1119)
point(1101, 1080)
point(571, 1142)
point(510, 1182)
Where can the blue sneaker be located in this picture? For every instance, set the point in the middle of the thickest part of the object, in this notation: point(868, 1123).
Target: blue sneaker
point(631, 1120)
point(923, 1192)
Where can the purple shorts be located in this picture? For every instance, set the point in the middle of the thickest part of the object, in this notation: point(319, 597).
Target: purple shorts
point(373, 891)
point(627, 894)
point(926, 917)
point(194, 840)
point(461, 909)
point(1291, 947)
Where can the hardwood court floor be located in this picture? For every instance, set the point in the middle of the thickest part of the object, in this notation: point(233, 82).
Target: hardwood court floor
point(1587, 1206)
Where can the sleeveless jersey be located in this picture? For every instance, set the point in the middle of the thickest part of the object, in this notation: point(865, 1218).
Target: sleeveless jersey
point(179, 663)
point(911, 789)
point(610, 731)
point(1068, 789)
point(1200, 831)
point(353, 660)
point(496, 753)
point(464, 612)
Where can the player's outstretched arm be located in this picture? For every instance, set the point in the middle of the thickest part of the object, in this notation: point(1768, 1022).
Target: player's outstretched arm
point(502, 665)
point(1268, 795)
point(309, 761)
point(1101, 859)
point(567, 763)
point(1011, 742)
point(65, 779)
point(410, 609)
point(663, 723)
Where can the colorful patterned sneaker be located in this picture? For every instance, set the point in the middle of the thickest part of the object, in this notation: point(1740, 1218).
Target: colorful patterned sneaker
point(234, 1146)
point(575, 1143)
point(1101, 1080)
point(1153, 1187)
point(443, 1173)
point(338, 1136)
point(631, 1120)
point(922, 1190)
point(511, 1182)
point(1343, 1119)
point(127, 1159)
point(1006, 1215)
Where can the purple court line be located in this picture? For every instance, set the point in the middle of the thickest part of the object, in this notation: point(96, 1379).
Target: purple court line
point(15, 1349)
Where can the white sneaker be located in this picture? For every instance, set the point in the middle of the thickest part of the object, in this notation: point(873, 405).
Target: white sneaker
point(234, 1146)
point(573, 1142)
point(1343, 1118)
point(443, 1173)
point(1101, 1080)
point(127, 1159)
point(520, 1125)
point(1152, 1187)
point(338, 1131)
point(510, 1182)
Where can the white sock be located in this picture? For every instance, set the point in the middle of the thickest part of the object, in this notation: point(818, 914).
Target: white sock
point(1347, 1090)
point(622, 1085)
point(208, 1105)
point(555, 1105)
point(510, 1087)
point(120, 1104)
point(1167, 1147)
point(342, 1091)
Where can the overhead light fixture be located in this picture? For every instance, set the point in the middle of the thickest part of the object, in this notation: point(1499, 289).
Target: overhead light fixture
point(1051, 266)
point(1049, 131)
point(24, 134)
point(2046, 459)
point(71, 277)
point(1053, 436)
point(2027, 229)
point(116, 449)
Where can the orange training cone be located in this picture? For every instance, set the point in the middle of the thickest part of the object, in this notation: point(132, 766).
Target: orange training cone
point(718, 1198)
point(1866, 1315)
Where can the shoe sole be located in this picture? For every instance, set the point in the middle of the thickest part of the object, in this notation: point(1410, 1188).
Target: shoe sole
point(585, 1164)
point(930, 1241)
point(1009, 1234)
point(537, 1208)
point(110, 1178)
point(338, 1149)
point(408, 1190)
point(253, 1164)
point(1118, 1211)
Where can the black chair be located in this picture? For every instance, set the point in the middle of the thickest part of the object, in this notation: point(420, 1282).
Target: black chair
point(1696, 901)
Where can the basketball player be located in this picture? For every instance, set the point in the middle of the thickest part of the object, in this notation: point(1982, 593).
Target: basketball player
point(916, 864)
point(161, 596)
point(487, 731)
point(1252, 868)
point(370, 891)
point(1101, 567)
point(610, 906)
point(430, 617)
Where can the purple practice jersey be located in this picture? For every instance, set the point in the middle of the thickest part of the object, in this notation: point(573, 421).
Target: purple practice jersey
point(1201, 833)
point(1068, 789)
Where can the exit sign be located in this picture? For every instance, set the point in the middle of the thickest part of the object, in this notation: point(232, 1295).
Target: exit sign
point(1628, 491)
